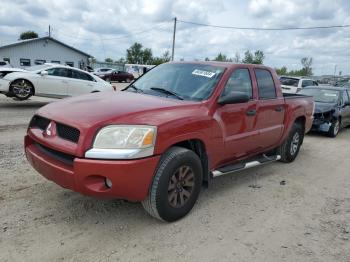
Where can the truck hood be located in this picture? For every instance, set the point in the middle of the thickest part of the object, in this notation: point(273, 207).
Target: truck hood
point(105, 108)
point(324, 107)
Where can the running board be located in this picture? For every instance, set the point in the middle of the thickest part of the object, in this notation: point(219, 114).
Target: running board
point(245, 165)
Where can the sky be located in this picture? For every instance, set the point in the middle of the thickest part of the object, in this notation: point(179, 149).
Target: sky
point(106, 28)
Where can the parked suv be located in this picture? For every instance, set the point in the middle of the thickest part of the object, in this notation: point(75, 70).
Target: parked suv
point(294, 84)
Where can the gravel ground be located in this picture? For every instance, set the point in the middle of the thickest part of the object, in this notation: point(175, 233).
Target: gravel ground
point(278, 212)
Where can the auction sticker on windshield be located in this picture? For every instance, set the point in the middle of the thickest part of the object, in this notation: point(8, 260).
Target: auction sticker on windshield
point(203, 73)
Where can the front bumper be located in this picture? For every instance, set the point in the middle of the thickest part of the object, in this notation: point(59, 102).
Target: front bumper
point(321, 125)
point(130, 178)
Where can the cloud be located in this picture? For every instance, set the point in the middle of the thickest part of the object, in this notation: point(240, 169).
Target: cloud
point(106, 28)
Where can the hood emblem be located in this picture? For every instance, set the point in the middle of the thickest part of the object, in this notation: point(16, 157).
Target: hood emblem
point(50, 130)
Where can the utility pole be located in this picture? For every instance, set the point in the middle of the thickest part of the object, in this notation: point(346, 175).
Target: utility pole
point(172, 53)
point(335, 70)
point(49, 30)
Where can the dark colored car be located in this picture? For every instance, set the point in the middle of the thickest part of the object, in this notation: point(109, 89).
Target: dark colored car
point(332, 108)
point(117, 76)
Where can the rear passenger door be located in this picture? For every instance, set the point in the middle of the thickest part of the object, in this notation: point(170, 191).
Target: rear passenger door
point(270, 110)
point(80, 83)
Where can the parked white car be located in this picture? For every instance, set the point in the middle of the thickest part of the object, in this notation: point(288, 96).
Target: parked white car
point(51, 80)
point(292, 85)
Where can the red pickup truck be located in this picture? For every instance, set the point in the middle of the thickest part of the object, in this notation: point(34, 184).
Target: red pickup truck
point(172, 130)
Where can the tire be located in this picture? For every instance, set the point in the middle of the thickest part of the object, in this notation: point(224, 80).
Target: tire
point(334, 129)
point(290, 148)
point(21, 89)
point(128, 80)
point(108, 80)
point(167, 199)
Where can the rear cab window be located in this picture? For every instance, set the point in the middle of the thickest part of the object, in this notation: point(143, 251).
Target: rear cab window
point(266, 85)
point(289, 81)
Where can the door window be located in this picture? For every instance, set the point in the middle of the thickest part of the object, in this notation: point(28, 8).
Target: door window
point(82, 76)
point(239, 81)
point(266, 86)
point(57, 71)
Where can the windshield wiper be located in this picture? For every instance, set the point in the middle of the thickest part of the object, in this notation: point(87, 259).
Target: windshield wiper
point(134, 87)
point(166, 91)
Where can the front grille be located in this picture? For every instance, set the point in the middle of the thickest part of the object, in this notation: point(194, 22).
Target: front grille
point(63, 131)
point(39, 122)
point(62, 157)
point(67, 132)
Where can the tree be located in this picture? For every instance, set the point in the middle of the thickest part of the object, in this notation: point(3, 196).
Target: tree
point(134, 55)
point(28, 35)
point(282, 71)
point(206, 59)
point(237, 58)
point(257, 58)
point(109, 60)
point(147, 57)
point(222, 58)
point(306, 63)
point(163, 59)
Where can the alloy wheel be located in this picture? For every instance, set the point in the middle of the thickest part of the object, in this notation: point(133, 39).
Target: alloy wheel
point(181, 186)
point(295, 144)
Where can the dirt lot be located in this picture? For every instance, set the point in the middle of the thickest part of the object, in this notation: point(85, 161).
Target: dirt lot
point(250, 216)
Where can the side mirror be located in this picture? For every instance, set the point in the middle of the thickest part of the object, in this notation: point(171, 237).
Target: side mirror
point(234, 98)
point(44, 73)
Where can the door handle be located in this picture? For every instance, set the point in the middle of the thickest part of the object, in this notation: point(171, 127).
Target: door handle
point(279, 109)
point(251, 112)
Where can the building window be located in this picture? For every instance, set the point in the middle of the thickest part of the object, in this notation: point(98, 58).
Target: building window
point(24, 62)
point(7, 60)
point(39, 61)
point(55, 62)
point(70, 64)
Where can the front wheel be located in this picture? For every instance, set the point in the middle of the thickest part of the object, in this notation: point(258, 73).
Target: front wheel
point(176, 185)
point(291, 146)
point(334, 128)
point(21, 89)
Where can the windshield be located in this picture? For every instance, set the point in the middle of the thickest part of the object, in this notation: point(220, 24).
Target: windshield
point(322, 95)
point(187, 81)
point(37, 67)
point(289, 81)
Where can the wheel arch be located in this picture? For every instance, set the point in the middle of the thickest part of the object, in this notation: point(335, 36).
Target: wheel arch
point(198, 147)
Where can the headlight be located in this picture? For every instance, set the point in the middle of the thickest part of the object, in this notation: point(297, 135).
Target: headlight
point(123, 142)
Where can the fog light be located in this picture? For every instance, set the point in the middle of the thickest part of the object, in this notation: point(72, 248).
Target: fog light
point(108, 183)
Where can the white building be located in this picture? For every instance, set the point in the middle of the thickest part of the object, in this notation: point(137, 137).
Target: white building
point(43, 50)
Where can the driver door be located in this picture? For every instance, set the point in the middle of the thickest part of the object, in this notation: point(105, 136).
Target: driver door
point(238, 120)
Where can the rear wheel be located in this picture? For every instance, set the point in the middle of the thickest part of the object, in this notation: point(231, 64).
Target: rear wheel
point(176, 185)
point(334, 129)
point(291, 146)
point(21, 89)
